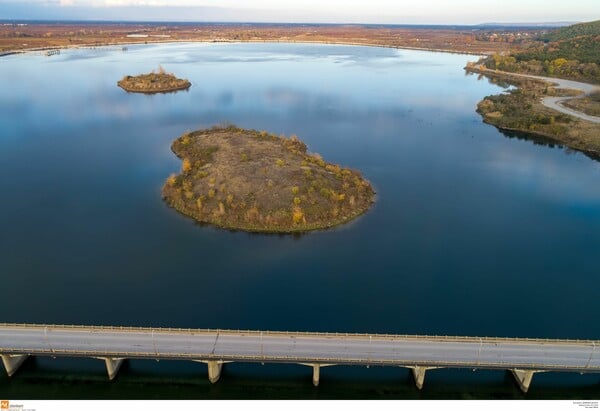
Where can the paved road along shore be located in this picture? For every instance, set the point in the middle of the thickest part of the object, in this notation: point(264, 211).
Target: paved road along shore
point(555, 102)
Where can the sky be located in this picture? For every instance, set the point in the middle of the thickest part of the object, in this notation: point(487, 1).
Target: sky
point(308, 11)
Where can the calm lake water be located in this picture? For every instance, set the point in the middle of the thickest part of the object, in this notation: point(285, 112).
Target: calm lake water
point(473, 233)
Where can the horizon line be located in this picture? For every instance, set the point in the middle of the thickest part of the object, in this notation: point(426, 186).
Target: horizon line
point(98, 20)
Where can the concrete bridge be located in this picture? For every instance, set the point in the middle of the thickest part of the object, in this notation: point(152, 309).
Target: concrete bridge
point(522, 356)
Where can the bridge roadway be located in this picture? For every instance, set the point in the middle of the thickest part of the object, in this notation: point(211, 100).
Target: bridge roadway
point(523, 357)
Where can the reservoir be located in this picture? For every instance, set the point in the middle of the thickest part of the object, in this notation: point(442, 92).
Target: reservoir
point(474, 232)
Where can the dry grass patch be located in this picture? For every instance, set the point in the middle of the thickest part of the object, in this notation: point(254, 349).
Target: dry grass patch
point(589, 105)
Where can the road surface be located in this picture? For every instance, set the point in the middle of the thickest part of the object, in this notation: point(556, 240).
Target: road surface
point(555, 102)
point(256, 346)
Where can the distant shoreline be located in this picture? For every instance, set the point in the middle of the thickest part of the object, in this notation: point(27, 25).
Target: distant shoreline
point(488, 25)
point(453, 39)
point(340, 43)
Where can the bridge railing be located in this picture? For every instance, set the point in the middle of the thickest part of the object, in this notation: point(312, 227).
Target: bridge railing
point(299, 333)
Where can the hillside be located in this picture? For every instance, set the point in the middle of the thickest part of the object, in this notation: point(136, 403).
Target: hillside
point(584, 49)
point(566, 33)
point(571, 52)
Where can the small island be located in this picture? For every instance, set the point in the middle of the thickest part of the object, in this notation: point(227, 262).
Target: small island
point(155, 82)
point(255, 181)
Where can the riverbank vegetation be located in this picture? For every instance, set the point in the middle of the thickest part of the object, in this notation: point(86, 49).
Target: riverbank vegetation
point(520, 109)
point(155, 82)
point(256, 181)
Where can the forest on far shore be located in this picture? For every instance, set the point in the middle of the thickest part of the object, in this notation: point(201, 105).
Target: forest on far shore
point(571, 52)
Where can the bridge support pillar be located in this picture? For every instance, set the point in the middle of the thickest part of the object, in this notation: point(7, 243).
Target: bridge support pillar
point(12, 362)
point(419, 375)
point(112, 366)
point(523, 378)
point(316, 372)
point(214, 369)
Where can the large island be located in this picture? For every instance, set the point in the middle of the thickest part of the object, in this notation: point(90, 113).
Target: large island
point(254, 181)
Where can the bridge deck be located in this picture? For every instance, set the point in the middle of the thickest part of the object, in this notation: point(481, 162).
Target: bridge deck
point(523, 357)
point(314, 348)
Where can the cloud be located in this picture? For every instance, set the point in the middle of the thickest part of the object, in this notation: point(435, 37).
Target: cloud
point(138, 3)
point(143, 3)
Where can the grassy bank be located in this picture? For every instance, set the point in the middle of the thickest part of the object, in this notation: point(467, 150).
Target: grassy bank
point(589, 105)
